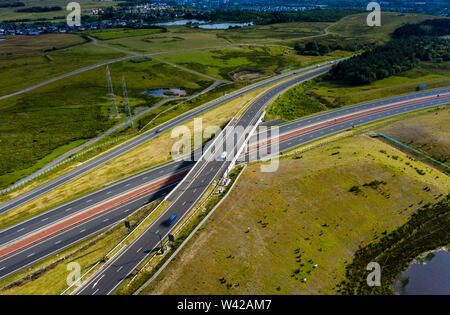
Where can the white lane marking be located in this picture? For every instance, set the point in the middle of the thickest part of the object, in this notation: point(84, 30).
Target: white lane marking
point(68, 209)
point(195, 190)
point(145, 177)
point(95, 292)
point(82, 230)
point(44, 219)
point(161, 171)
point(120, 268)
point(2, 268)
point(127, 185)
point(30, 255)
point(108, 192)
point(21, 229)
point(57, 242)
point(88, 200)
point(93, 286)
point(157, 232)
point(184, 203)
point(105, 220)
point(139, 250)
point(127, 210)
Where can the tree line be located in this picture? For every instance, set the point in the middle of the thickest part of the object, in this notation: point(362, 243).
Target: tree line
point(40, 9)
point(436, 27)
point(264, 17)
point(392, 58)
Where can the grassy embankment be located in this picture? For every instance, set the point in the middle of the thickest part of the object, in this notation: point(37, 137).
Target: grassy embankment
point(50, 275)
point(426, 133)
point(318, 95)
point(274, 227)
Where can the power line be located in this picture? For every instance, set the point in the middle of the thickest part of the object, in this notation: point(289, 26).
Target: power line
point(113, 110)
point(126, 104)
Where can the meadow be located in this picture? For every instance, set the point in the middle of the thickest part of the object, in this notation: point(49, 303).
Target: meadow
point(35, 124)
point(183, 38)
point(115, 33)
point(271, 237)
point(227, 63)
point(8, 14)
point(24, 65)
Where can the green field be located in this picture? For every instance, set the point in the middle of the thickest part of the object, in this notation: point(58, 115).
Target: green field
point(273, 228)
point(318, 95)
point(227, 63)
point(183, 38)
point(35, 124)
point(115, 33)
point(355, 26)
point(19, 71)
point(8, 14)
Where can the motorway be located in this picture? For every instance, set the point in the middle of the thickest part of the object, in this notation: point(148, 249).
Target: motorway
point(211, 167)
point(102, 159)
point(292, 135)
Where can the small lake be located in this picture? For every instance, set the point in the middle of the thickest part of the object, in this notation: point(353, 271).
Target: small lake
point(204, 24)
point(169, 92)
point(223, 26)
point(179, 22)
point(432, 276)
point(1, 39)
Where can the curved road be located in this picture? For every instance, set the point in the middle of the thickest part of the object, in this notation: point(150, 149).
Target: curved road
point(292, 135)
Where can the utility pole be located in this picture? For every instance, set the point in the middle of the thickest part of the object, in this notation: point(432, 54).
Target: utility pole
point(126, 104)
point(113, 110)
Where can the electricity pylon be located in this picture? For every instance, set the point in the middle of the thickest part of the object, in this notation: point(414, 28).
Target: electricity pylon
point(126, 104)
point(113, 110)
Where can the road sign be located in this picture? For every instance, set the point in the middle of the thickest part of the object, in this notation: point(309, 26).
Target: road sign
point(171, 238)
point(127, 225)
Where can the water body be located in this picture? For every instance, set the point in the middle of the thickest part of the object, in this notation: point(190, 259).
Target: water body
point(204, 24)
point(430, 277)
point(224, 26)
point(179, 22)
point(1, 39)
point(169, 92)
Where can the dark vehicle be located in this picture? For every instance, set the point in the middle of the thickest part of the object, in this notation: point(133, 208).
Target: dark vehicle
point(171, 219)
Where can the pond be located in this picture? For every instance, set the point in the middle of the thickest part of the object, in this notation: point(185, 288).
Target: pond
point(179, 22)
point(204, 24)
point(430, 275)
point(168, 92)
point(224, 26)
